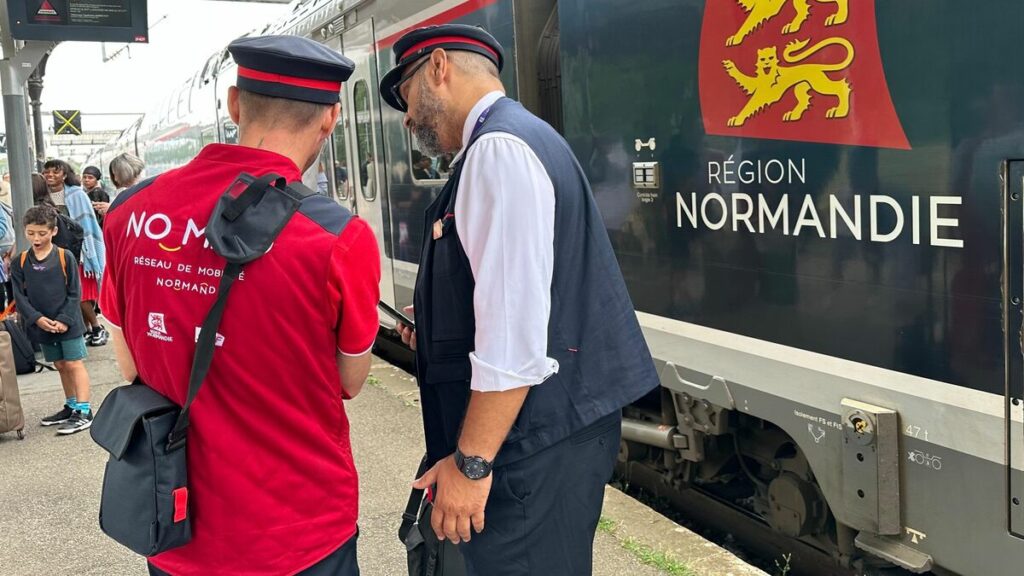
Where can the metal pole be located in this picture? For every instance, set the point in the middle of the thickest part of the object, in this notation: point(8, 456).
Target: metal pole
point(15, 68)
point(18, 154)
point(35, 92)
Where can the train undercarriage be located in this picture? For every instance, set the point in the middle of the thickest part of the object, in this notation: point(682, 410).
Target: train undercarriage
point(739, 475)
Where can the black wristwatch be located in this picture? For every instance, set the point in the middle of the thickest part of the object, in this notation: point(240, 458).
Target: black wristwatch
point(472, 467)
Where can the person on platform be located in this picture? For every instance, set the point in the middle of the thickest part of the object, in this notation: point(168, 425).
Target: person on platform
point(47, 291)
point(272, 481)
point(92, 182)
point(40, 191)
point(72, 201)
point(5, 189)
point(526, 340)
point(125, 171)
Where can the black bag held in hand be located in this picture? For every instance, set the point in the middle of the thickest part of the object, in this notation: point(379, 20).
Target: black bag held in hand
point(144, 504)
point(428, 556)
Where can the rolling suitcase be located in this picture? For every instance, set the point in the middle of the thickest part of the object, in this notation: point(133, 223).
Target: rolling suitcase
point(11, 416)
point(21, 347)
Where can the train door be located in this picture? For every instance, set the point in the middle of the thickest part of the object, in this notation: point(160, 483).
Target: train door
point(366, 170)
point(344, 186)
point(1013, 329)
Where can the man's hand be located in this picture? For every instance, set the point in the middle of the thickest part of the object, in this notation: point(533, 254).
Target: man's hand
point(61, 327)
point(408, 334)
point(458, 501)
point(46, 324)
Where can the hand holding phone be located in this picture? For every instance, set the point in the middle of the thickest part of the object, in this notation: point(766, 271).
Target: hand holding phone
point(396, 315)
point(405, 327)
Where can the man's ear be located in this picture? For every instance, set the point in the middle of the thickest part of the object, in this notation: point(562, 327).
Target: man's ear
point(233, 104)
point(330, 120)
point(440, 67)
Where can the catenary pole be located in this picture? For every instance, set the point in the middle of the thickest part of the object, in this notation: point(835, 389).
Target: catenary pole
point(20, 59)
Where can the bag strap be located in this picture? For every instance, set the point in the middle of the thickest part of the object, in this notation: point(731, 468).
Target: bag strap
point(208, 332)
point(412, 508)
point(63, 263)
point(7, 311)
point(60, 254)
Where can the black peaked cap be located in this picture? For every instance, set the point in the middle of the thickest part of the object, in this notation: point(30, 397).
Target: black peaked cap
point(422, 41)
point(290, 67)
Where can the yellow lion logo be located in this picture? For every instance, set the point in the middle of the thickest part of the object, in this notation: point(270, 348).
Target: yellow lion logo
point(772, 81)
point(761, 11)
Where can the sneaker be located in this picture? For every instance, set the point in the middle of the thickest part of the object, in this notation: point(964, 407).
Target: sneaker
point(78, 422)
point(59, 418)
point(90, 336)
point(99, 337)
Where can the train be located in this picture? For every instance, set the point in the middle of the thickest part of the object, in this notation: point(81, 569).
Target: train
point(817, 207)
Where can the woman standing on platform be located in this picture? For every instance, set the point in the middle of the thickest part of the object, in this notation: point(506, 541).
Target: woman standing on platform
point(71, 199)
point(91, 181)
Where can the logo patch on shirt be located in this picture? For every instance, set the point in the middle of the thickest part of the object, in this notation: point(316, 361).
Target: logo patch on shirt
point(158, 327)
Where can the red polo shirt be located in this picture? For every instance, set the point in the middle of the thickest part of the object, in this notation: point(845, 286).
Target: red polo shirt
point(272, 485)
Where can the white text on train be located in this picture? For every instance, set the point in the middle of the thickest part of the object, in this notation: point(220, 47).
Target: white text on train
point(885, 218)
point(760, 172)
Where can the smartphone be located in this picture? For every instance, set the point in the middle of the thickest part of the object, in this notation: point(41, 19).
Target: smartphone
point(398, 316)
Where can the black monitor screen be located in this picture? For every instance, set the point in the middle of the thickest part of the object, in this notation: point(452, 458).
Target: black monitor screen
point(81, 20)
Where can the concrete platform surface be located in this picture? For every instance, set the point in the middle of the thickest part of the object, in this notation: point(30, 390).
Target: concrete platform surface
point(49, 492)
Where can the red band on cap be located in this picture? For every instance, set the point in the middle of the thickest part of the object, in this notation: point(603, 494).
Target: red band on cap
point(446, 39)
point(289, 80)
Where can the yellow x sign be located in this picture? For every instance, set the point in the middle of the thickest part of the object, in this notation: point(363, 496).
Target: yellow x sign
point(67, 122)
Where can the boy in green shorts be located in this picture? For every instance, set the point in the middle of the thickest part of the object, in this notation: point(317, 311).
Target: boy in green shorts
point(47, 294)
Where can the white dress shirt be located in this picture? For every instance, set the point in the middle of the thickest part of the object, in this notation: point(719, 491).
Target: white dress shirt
point(505, 217)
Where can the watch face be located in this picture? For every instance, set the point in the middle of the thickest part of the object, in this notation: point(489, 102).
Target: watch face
point(475, 469)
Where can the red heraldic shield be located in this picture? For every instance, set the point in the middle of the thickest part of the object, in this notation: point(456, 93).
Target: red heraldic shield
point(777, 70)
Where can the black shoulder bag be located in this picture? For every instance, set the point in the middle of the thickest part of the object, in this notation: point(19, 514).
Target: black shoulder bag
point(427, 555)
point(144, 503)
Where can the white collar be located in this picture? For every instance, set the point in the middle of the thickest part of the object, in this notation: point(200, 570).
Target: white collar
point(474, 114)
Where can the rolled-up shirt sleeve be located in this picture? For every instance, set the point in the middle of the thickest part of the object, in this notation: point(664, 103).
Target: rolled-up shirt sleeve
point(505, 216)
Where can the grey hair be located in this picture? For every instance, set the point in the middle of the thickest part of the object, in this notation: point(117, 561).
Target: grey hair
point(125, 169)
point(473, 64)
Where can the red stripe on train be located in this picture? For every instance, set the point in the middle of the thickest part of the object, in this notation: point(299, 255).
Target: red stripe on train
point(442, 18)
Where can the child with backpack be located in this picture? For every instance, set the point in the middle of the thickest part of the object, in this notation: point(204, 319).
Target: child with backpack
point(47, 291)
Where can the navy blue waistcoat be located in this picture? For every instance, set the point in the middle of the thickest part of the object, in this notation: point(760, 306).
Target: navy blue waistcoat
point(593, 333)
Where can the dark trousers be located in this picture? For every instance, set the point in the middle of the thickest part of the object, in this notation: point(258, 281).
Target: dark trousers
point(543, 510)
point(341, 562)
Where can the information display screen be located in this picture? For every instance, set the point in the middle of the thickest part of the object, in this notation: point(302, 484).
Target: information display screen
point(80, 20)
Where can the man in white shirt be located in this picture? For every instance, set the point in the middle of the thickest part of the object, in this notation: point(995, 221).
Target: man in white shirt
point(527, 344)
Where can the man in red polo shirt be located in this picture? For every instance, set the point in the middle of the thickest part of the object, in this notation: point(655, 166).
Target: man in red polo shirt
point(273, 488)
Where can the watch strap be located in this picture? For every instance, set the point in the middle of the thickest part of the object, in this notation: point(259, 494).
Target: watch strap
point(460, 463)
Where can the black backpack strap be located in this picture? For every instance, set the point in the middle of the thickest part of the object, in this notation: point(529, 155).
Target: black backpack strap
point(204, 353)
point(412, 508)
point(244, 241)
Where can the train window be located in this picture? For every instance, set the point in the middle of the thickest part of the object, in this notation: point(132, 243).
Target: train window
point(341, 180)
point(209, 134)
point(322, 168)
point(428, 168)
point(364, 140)
point(230, 132)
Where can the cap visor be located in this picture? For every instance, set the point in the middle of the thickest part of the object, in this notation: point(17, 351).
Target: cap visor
point(387, 84)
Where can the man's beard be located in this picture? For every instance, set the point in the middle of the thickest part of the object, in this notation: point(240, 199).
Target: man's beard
point(432, 110)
